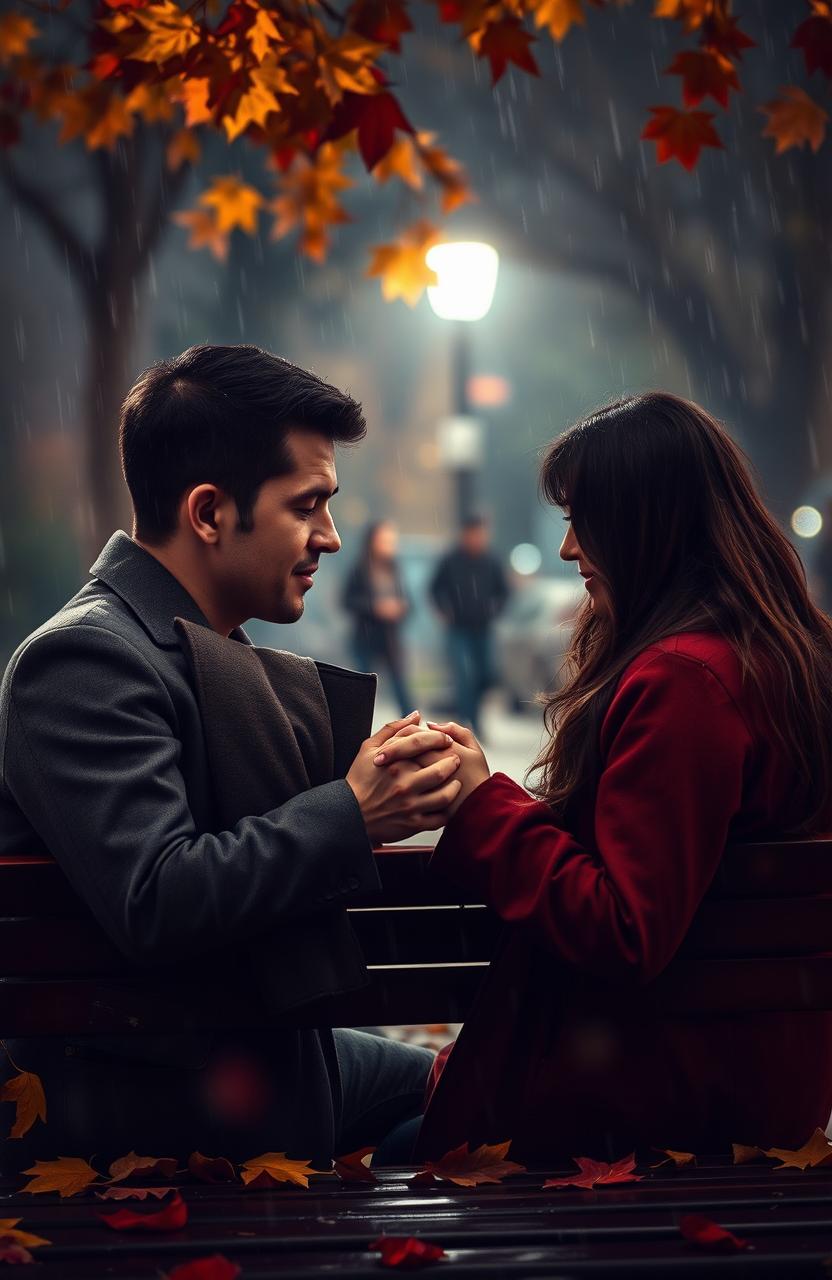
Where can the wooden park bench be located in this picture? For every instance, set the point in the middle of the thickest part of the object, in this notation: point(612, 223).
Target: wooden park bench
point(761, 941)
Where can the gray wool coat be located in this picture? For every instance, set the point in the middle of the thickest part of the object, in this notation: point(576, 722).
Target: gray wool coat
point(107, 763)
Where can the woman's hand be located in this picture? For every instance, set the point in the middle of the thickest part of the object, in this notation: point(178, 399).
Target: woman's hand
point(473, 767)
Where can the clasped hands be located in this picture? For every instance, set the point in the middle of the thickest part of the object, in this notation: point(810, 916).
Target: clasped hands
point(407, 779)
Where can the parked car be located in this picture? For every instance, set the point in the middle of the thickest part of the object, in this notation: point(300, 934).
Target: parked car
point(533, 635)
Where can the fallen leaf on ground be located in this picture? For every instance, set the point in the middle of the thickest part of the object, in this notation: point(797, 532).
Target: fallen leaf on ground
point(213, 1267)
point(134, 1193)
point(277, 1167)
point(744, 1155)
point(594, 1173)
point(9, 1231)
point(679, 1158)
point(406, 1252)
point(13, 1253)
point(172, 1217)
point(26, 1092)
point(160, 1166)
point(354, 1167)
point(811, 1155)
point(701, 1231)
point(67, 1175)
point(470, 1168)
point(211, 1168)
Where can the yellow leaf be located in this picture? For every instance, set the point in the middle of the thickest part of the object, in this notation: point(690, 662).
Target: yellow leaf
point(401, 265)
point(261, 33)
point(470, 1168)
point(205, 234)
point(68, 1175)
point(152, 102)
point(279, 1167)
point(258, 101)
point(114, 122)
point(9, 1229)
point(26, 1092)
point(692, 12)
point(346, 64)
point(679, 1158)
point(401, 161)
point(309, 198)
point(817, 1151)
point(16, 33)
point(183, 148)
point(744, 1154)
point(236, 203)
point(170, 32)
point(559, 16)
point(193, 94)
point(794, 118)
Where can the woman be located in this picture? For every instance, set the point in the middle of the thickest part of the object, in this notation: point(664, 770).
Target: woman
point(375, 596)
point(697, 710)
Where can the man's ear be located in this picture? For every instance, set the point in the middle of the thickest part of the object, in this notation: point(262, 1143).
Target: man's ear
point(209, 512)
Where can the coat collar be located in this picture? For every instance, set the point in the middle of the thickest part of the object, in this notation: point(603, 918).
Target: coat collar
point(146, 587)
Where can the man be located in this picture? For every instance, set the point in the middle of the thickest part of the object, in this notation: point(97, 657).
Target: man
point(228, 453)
point(469, 590)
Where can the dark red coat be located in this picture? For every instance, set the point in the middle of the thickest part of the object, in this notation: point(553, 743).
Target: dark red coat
point(688, 764)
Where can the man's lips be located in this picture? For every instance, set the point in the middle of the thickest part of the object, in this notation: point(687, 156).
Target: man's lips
point(306, 574)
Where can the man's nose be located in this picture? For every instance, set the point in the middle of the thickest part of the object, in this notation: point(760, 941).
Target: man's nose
point(326, 537)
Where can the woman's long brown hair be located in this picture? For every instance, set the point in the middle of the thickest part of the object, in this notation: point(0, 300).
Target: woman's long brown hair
point(664, 507)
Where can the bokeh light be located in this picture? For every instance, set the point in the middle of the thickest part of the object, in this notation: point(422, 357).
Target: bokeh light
point(525, 558)
point(807, 522)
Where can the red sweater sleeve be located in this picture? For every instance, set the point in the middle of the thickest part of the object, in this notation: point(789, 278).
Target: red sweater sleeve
point(674, 747)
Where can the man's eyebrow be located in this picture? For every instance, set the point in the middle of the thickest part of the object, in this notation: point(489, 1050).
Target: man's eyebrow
point(316, 492)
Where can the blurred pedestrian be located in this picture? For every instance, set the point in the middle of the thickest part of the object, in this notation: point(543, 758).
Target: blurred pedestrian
point(375, 595)
point(469, 589)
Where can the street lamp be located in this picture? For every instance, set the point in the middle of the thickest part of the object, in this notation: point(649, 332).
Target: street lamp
point(466, 279)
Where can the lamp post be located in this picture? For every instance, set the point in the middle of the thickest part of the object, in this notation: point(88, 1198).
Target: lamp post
point(466, 279)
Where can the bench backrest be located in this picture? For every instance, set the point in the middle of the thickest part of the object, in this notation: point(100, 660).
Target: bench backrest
point(761, 940)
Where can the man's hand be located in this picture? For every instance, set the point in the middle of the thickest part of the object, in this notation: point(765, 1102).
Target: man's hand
point(410, 796)
point(473, 767)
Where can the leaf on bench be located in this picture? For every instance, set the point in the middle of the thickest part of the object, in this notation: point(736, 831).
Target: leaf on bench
point(9, 1232)
point(67, 1175)
point(702, 1231)
point(744, 1155)
point(213, 1267)
point(26, 1092)
point(354, 1167)
point(134, 1193)
point(125, 1166)
point(172, 1217)
point(815, 1152)
point(277, 1167)
point(406, 1252)
point(681, 1159)
point(595, 1173)
point(211, 1168)
point(470, 1168)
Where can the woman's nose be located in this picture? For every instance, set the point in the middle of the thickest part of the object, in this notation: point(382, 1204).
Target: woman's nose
point(569, 549)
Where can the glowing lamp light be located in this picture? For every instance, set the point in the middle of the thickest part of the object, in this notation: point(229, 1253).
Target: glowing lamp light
point(466, 279)
point(525, 558)
point(807, 522)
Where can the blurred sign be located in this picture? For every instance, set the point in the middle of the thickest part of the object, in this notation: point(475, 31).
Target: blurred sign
point(460, 441)
point(488, 390)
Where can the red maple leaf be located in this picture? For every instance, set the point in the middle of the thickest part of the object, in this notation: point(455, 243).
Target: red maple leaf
point(352, 1168)
point(681, 135)
point(722, 33)
point(385, 21)
point(376, 117)
point(213, 1267)
point(701, 1231)
point(704, 74)
point(407, 1252)
point(172, 1217)
point(594, 1173)
point(814, 37)
point(504, 42)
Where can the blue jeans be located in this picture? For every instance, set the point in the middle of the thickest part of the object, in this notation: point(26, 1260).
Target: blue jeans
point(469, 650)
point(382, 1086)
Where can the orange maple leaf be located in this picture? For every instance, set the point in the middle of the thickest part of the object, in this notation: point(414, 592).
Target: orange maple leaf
point(692, 12)
point(134, 1193)
point(448, 172)
point(277, 1167)
point(16, 34)
point(744, 1155)
point(205, 233)
point(470, 1168)
point(559, 16)
point(26, 1092)
point(795, 118)
point(194, 94)
point(262, 34)
point(309, 198)
point(816, 1151)
point(346, 65)
point(171, 32)
point(401, 265)
point(183, 148)
point(115, 121)
point(704, 73)
point(10, 1231)
point(210, 1168)
point(681, 135)
point(153, 102)
point(236, 203)
point(401, 161)
point(681, 1159)
point(595, 1173)
point(67, 1175)
point(126, 1166)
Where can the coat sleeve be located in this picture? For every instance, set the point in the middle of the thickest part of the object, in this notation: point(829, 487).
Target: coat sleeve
point(674, 748)
point(92, 758)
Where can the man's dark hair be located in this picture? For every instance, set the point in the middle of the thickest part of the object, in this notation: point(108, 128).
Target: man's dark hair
point(476, 520)
point(219, 415)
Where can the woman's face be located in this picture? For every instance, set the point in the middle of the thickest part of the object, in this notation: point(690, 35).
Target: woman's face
point(386, 541)
point(570, 549)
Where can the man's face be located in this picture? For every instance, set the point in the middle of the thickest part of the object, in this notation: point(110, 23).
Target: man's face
point(264, 571)
point(475, 539)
